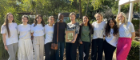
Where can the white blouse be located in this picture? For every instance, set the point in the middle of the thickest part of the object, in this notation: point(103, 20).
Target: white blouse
point(24, 31)
point(111, 39)
point(126, 30)
point(98, 29)
point(37, 30)
point(13, 33)
point(49, 33)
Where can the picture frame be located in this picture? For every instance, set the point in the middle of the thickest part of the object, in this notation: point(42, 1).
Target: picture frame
point(69, 36)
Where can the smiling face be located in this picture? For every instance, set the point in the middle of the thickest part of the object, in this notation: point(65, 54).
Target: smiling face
point(61, 17)
point(111, 23)
point(98, 17)
point(72, 17)
point(85, 20)
point(10, 17)
point(24, 20)
point(39, 19)
point(121, 17)
point(51, 20)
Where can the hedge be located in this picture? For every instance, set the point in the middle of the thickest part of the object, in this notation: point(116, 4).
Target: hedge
point(134, 52)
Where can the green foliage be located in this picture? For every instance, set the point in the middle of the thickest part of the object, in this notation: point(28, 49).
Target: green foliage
point(136, 24)
point(134, 52)
point(97, 4)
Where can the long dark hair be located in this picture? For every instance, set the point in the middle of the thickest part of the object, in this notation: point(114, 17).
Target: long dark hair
point(6, 23)
point(89, 25)
point(35, 21)
point(108, 28)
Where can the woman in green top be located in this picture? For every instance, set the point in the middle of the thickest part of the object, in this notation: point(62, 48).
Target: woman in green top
point(85, 32)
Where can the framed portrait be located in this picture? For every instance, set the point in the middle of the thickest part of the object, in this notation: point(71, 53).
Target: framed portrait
point(69, 36)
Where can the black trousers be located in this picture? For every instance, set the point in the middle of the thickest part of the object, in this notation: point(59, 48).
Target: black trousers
point(84, 48)
point(108, 50)
point(97, 48)
point(71, 51)
point(49, 53)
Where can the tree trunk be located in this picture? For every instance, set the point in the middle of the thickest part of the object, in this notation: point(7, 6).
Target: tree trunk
point(80, 10)
point(87, 8)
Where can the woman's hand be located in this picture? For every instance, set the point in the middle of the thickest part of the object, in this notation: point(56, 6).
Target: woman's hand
point(73, 41)
point(81, 42)
point(5, 47)
point(32, 37)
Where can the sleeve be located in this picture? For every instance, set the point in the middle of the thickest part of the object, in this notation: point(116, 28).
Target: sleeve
point(77, 28)
point(16, 25)
point(92, 29)
point(104, 33)
point(104, 28)
point(45, 29)
point(132, 28)
point(3, 29)
point(65, 25)
point(79, 35)
point(92, 24)
point(32, 27)
point(55, 33)
point(18, 29)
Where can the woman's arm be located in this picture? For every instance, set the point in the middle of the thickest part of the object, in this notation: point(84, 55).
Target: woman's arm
point(4, 41)
point(55, 33)
point(76, 32)
point(132, 30)
point(3, 32)
point(75, 38)
point(32, 36)
point(133, 35)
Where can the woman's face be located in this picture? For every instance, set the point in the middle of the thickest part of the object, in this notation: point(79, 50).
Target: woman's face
point(51, 20)
point(39, 19)
point(24, 20)
point(72, 17)
point(111, 23)
point(85, 19)
point(61, 17)
point(98, 17)
point(10, 17)
point(121, 17)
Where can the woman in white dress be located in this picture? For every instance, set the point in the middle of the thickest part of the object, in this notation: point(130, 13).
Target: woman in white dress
point(25, 51)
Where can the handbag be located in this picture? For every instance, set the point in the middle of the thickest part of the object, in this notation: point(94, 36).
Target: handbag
point(54, 46)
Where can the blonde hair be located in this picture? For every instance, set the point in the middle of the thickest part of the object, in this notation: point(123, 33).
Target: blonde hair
point(72, 13)
point(100, 15)
point(125, 19)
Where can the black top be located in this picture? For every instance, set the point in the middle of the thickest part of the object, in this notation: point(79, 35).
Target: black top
point(61, 32)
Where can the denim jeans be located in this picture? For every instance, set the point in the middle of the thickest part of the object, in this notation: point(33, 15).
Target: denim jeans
point(60, 51)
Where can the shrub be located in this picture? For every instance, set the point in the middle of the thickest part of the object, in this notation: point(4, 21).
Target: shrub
point(134, 52)
point(136, 24)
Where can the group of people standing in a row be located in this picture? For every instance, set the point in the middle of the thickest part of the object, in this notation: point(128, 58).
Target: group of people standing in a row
point(118, 33)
